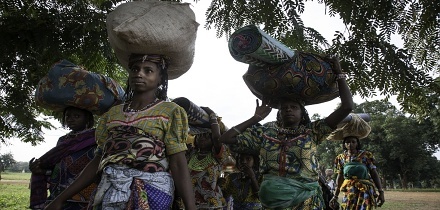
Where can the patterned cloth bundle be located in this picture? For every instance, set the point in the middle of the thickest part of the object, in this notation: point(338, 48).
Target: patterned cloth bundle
point(253, 46)
point(67, 84)
point(277, 72)
point(307, 77)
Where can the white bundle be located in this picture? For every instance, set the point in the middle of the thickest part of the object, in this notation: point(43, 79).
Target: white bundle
point(154, 27)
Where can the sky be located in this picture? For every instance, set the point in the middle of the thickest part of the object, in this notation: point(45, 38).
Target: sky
point(214, 81)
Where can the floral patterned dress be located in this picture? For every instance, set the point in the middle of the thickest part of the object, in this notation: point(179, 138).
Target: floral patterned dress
point(134, 147)
point(205, 173)
point(358, 188)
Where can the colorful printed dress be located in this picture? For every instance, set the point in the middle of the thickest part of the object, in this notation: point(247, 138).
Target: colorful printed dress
point(358, 188)
point(134, 148)
point(205, 174)
point(287, 161)
point(65, 162)
point(239, 188)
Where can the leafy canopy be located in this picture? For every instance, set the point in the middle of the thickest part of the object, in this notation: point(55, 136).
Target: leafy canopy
point(37, 33)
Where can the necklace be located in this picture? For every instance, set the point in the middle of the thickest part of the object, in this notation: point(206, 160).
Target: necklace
point(197, 164)
point(75, 133)
point(129, 109)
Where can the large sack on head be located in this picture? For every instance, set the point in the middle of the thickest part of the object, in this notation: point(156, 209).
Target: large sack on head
point(154, 27)
point(305, 77)
point(67, 84)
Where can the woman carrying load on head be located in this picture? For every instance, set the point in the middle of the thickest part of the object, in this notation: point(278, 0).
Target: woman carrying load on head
point(205, 163)
point(357, 177)
point(141, 146)
point(287, 148)
point(57, 168)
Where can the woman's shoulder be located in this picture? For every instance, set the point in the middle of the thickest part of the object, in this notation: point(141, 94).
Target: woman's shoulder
point(366, 153)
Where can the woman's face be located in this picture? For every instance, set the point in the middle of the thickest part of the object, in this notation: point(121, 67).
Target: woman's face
point(291, 113)
point(351, 143)
point(75, 119)
point(144, 76)
point(204, 143)
point(247, 160)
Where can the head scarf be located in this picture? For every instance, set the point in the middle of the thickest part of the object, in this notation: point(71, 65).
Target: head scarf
point(356, 127)
point(159, 59)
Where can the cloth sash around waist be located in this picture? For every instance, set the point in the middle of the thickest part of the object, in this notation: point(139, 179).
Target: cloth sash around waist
point(355, 170)
point(281, 192)
point(116, 179)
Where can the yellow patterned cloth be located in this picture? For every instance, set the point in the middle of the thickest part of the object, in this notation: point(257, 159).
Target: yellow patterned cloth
point(286, 152)
point(163, 126)
point(205, 174)
point(357, 188)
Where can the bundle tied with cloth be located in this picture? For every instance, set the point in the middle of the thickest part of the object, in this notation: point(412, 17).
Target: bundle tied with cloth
point(354, 125)
point(198, 119)
point(277, 72)
point(68, 84)
point(152, 27)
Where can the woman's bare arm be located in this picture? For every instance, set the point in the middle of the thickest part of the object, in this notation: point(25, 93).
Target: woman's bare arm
point(182, 179)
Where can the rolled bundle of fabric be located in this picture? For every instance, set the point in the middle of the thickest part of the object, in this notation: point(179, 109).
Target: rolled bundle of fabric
point(154, 27)
point(196, 115)
point(253, 46)
point(305, 77)
point(365, 116)
point(356, 127)
point(67, 84)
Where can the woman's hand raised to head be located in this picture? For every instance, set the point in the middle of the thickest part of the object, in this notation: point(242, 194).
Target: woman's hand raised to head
point(262, 111)
point(34, 166)
point(207, 110)
point(336, 65)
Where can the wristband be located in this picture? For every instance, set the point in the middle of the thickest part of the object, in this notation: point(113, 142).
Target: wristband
point(340, 76)
point(213, 116)
point(259, 116)
point(236, 130)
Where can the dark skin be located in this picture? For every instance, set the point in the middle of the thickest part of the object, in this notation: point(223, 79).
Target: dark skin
point(291, 113)
point(246, 164)
point(76, 120)
point(205, 144)
point(351, 145)
point(144, 79)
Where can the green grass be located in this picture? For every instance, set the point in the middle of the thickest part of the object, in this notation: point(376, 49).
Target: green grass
point(15, 176)
point(14, 196)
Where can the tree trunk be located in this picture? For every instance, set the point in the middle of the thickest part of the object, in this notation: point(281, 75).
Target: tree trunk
point(405, 181)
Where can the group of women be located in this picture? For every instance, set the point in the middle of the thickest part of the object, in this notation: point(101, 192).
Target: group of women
point(139, 156)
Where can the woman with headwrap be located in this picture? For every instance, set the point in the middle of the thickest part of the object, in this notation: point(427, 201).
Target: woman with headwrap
point(287, 148)
point(58, 168)
point(357, 177)
point(205, 163)
point(141, 146)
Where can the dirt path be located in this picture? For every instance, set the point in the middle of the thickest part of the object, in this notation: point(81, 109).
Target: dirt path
point(414, 200)
point(6, 181)
point(410, 200)
point(393, 199)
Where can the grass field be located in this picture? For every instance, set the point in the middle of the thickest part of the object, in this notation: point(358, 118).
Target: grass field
point(14, 195)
